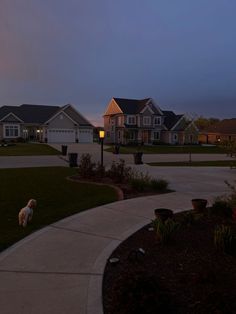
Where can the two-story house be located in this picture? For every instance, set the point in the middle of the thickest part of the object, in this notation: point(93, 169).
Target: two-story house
point(142, 121)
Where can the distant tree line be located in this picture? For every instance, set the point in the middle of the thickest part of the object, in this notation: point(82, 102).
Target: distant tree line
point(204, 123)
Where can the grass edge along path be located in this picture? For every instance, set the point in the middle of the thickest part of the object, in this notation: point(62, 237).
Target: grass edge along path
point(169, 149)
point(210, 163)
point(56, 197)
point(28, 149)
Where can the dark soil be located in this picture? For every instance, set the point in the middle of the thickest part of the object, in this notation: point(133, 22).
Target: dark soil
point(186, 275)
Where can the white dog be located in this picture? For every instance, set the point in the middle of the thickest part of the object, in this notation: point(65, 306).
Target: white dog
point(26, 213)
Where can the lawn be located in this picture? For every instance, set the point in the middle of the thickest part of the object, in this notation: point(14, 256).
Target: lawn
point(170, 149)
point(57, 198)
point(213, 163)
point(28, 149)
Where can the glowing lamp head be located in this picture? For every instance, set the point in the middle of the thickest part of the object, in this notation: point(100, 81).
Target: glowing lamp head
point(101, 134)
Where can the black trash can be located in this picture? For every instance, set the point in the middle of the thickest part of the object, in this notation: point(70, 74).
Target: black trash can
point(138, 158)
point(73, 159)
point(64, 150)
point(117, 149)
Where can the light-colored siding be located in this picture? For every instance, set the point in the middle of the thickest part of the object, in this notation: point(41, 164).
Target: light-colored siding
point(10, 118)
point(112, 108)
point(61, 123)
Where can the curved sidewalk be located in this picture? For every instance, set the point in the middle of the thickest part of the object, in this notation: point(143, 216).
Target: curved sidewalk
point(59, 269)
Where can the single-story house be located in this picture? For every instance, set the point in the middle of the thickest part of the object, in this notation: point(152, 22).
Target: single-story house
point(51, 124)
point(143, 121)
point(222, 131)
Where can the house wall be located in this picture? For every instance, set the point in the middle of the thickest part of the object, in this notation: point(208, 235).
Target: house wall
point(110, 129)
point(61, 123)
point(1, 132)
point(146, 113)
point(165, 136)
point(213, 138)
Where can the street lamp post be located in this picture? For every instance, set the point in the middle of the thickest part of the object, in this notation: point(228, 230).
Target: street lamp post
point(101, 136)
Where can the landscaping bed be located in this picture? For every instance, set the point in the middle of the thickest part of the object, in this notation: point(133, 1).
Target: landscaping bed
point(188, 274)
point(126, 181)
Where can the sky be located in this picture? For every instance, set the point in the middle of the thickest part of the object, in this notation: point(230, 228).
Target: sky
point(180, 53)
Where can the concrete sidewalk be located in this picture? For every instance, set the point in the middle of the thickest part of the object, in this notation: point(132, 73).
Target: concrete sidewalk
point(95, 151)
point(59, 269)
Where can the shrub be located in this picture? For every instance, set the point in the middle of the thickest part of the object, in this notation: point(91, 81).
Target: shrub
point(86, 167)
point(139, 181)
point(221, 208)
point(165, 229)
point(232, 197)
point(224, 239)
point(159, 185)
point(118, 171)
point(20, 140)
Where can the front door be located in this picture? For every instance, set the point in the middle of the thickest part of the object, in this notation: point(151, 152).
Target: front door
point(145, 137)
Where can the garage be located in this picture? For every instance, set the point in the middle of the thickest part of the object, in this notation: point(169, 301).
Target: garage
point(85, 136)
point(61, 136)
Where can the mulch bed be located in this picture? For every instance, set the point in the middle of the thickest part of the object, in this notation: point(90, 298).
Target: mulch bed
point(186, 275)
point(124, 190)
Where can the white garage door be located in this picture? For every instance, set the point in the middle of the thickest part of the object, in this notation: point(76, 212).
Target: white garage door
point(61, 136)
point(85, 136)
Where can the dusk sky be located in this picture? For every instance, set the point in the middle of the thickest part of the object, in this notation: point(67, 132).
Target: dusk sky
point(181, 53)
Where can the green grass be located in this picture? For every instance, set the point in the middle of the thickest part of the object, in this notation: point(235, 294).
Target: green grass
point(56, 197)
point(28, 149)
point(213, 163)
point(173, 149)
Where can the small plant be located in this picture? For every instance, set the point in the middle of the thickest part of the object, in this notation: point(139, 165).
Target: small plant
point(165, 229)
point(86, 167)
point(189, 218)
point(224, 239)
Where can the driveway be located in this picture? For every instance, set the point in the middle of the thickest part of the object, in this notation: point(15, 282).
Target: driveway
point(59, 269)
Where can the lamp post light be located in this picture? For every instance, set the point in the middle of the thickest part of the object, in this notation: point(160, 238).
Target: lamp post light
point(101, 137)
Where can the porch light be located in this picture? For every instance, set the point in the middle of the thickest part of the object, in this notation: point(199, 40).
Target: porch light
point(38, 131)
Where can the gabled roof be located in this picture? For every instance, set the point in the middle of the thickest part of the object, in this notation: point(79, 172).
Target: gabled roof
point(171, 119)
point(226, 126)
point(30, 113)
point(40, 114)
point(135, 106)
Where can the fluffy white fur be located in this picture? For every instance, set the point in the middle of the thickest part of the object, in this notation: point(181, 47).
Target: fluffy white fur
point(26, 213)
